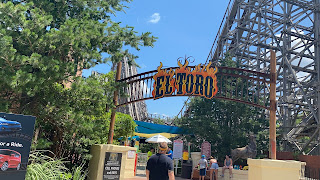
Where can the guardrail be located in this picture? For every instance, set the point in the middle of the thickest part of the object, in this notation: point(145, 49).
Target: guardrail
point(312, 173)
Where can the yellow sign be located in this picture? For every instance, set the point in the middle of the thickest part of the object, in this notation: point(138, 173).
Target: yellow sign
point(185, 156)
point(202, 81)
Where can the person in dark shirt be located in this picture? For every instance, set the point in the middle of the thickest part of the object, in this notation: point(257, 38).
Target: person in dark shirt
point(160, 166)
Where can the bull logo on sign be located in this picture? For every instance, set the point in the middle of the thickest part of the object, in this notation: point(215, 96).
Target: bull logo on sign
point(113, 157)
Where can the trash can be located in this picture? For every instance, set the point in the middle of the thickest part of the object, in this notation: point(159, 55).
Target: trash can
point(186, 170)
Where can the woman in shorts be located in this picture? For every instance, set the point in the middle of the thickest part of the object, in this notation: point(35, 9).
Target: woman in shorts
point(213, 168)
point(227, 165)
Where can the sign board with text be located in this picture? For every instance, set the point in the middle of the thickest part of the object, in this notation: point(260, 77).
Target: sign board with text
point(16, 132)
point(131, 154)
point(112, 166)
point(177, 149)
point(183, 81)
point(206, 149)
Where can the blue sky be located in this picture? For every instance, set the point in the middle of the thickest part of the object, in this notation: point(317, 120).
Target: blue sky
point(183, 27)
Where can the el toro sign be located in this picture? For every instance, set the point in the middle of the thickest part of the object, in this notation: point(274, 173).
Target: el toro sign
point(183, 81)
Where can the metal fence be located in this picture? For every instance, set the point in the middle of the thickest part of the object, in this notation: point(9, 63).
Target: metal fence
point(312, 173)
point(142, 161)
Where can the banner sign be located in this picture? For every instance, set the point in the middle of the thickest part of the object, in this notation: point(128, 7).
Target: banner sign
point(16, 132)
point(206, 149)
point(112, 166)
point(131, 154)
point(202, 81)
point(177, 149)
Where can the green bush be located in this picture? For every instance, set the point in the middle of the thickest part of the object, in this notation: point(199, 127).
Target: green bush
point(44, 167)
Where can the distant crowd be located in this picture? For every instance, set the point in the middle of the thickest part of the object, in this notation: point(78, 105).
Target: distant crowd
point(160, 165)
point(213, 166)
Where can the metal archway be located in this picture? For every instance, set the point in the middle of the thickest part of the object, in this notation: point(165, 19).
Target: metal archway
point(139, 87)
point(234, 84)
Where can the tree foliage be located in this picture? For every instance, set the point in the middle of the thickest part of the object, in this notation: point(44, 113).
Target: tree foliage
point(43, 47)
point(225, 124)
point(47, 42)
point(76, 119)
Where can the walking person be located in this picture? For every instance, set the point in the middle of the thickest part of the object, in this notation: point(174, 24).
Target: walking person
point(227, 165)
point(203, 164)
point(160, 166)
point(214, 167)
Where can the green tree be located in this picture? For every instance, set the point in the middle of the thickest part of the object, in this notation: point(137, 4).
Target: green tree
point(43, 47)
point(159, 121)
point(76, 119)
point(48, 42)
point(225, 124)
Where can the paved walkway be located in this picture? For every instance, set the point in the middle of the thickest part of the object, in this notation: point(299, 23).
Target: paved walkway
point(144, 178)
point(177, 178)
point(140, 175)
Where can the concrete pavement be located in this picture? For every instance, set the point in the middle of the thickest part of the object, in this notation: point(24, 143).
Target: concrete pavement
point(237, 175)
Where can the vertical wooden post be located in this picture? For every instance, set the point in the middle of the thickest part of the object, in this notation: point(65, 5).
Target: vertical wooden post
point(189, 152)
point(115, 101)
point(273, 106)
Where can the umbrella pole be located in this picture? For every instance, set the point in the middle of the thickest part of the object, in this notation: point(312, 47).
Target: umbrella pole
point(157, 148)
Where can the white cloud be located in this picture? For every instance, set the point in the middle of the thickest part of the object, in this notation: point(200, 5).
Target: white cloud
point(155, 18)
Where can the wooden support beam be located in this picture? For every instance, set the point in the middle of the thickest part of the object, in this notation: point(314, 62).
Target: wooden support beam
point(273, 106)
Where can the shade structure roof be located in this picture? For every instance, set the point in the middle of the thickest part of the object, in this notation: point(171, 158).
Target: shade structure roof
point(146, 129)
